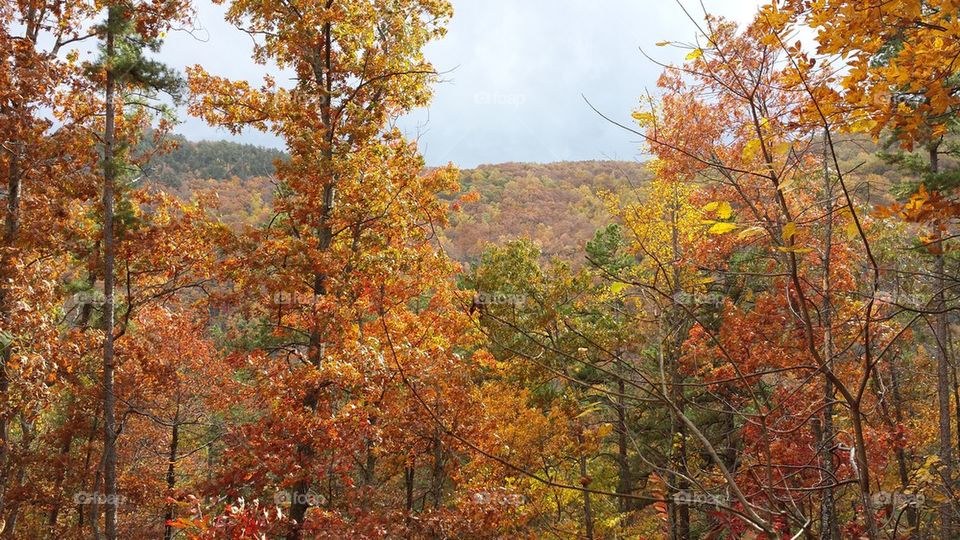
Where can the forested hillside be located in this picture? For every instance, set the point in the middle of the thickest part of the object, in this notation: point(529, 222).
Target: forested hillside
point(206, 160)
point(557, 204)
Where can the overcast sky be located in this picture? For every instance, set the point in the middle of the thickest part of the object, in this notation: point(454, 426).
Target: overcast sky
point(516, 72)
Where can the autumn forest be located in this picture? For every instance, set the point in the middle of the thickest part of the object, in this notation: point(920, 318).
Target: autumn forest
point(746, 334)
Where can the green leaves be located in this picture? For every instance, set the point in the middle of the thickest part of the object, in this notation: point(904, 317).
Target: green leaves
point(128, 62)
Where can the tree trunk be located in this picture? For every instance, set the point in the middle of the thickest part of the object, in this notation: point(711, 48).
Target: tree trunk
point(587, 509)
point(437, 480)
point(829, 528)
point(61, 476)
point(91, 436)
point(109, 177)
point(943, 373)
point(322, 73)
point(863, 470)
point(369, 471)
point(95, 502)
point(625, 480)
point(681, 512)
point(408, 478)
point(11, 230)
point(171, 477)
point(901, 454)
point(13, 513)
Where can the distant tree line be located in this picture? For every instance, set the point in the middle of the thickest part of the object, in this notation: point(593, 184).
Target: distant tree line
point(207, 160)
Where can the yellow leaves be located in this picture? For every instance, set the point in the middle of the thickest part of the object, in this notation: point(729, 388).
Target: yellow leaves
point(922, 194)
point(851, 230)
point(618, 286)
point(770, 39)
point(789, 230)
point(749, 232)
point(485, 359)
point(785, 185)
point(723, 211)
point(918, 199)
point(929, 472)
point(940, 101)
point(921, 70)
point(750, 150)
point(863, 125)
point(774, 17)
point(721, 228)
point(694, 54)
point(603, 430)
point(789, 233)
point(644, 118)
point(722, 208)
point(588, 410)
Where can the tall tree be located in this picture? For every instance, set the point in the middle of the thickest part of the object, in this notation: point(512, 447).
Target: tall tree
point(350, 256)
point(901, 80)
point(34, 147)
point(130, 30)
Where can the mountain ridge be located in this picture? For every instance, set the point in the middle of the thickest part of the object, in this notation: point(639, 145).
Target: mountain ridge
point(556, 204)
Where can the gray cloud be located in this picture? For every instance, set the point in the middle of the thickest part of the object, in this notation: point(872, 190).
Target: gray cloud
point(515, 72)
